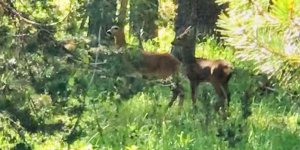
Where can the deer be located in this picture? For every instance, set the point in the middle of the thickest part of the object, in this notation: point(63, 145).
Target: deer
point(198, 70)
point(149, 64)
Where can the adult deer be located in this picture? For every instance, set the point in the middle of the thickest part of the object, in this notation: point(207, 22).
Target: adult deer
point(159, 66)
point(197, 70)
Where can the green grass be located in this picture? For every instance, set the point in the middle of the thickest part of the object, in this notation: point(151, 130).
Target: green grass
point(143, 122)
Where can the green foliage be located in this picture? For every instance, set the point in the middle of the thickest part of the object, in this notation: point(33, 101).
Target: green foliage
point(39, 74)
point(265, 34)
point(100, 15)
point(166, 12)
point(143, 15)
point(161, 44)
point(56, 92)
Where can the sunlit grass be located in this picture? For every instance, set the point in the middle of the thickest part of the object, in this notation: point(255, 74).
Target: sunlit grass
point(144, 122)
point(272, 127)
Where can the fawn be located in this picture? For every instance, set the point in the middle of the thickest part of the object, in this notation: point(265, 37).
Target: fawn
point(160, 66)
point(197, 70)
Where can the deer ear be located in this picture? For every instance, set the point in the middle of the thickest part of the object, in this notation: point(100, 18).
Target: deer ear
point(116, 27)
point(188, 30)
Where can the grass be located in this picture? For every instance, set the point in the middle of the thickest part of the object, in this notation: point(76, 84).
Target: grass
point(144, 122)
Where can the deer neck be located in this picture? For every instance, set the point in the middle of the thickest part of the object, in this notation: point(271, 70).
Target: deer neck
point(188, 55)
point(120, 40)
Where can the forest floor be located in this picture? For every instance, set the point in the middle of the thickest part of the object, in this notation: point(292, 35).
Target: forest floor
point(144, 122)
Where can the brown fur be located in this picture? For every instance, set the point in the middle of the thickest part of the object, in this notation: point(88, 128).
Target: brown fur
point(155, 65)
point(216, 72)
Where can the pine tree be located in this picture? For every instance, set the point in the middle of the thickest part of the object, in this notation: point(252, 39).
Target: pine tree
point(266, 34)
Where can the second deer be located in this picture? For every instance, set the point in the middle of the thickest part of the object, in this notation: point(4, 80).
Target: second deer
point(197, 70)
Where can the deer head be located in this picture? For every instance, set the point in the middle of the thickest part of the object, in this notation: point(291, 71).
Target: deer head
point(118, 34)
point(114, 30)
point(183, 37)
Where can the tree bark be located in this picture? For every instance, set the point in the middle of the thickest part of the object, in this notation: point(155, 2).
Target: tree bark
point(186, 16)
point(122, 19)
point(207, 15)
point(122, 12)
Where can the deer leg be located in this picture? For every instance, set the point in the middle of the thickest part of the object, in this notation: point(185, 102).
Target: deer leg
point(181, 95)
point(176, 90)
point(194, 93)
point(174, 96)
point(220, 104)
point(226, 100)
point(226, 93)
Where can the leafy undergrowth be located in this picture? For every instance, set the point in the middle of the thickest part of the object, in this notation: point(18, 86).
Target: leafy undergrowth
point(144, 122)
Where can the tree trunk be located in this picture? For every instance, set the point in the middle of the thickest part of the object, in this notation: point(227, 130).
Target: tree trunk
point(143, 14)
point(122, 17)
point(207, 15)
point(122, 12)
point(102, 14)
point(186, 16)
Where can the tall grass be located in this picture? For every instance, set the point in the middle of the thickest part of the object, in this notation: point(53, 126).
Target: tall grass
point(144, 122)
